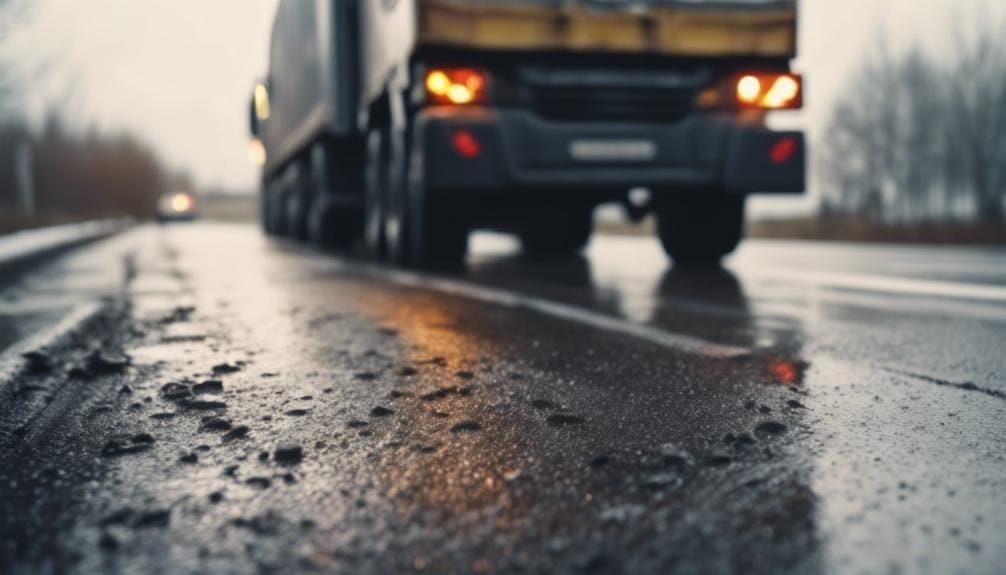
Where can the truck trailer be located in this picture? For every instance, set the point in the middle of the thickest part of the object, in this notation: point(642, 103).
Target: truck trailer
point(402, 125)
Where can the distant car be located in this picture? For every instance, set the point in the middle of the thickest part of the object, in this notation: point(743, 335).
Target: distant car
point(176, 207)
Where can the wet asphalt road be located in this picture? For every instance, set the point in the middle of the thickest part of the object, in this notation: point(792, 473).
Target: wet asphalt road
point(236, 404)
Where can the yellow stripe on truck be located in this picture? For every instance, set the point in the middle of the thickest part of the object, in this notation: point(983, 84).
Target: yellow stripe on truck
point(671, 30)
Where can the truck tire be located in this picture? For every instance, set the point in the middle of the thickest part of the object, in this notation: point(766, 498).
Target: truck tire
point(277, 209)
point(297, 207)
point(264, 214)
point(436, 229)
point(375, 188)
point(698, 230)
point(329, 223)
point(333, 227)
point(556, 233)
point(397, 224)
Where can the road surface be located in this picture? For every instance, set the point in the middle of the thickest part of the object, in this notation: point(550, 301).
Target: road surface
point(198, 398)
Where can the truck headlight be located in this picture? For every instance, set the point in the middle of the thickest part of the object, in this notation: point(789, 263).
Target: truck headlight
point(457, 86)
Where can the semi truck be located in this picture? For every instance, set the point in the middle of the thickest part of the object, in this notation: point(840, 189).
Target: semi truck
point(402, 125)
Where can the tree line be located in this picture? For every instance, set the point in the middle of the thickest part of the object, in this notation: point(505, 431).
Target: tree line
point(81, 174)
point(917, 140)
point(76, 172)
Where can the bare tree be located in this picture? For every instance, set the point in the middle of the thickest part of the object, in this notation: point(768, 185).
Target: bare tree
point(11, 14)
point(978, 106)
point(915, 141)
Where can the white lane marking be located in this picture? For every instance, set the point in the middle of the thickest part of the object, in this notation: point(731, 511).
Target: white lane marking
point(883, 284)
point(12, 360)
point(496, 296)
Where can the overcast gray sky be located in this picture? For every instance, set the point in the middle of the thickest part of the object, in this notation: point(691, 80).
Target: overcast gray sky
point(178, 72)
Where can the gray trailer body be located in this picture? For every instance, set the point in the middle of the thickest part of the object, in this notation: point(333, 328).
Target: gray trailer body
point(313, 63)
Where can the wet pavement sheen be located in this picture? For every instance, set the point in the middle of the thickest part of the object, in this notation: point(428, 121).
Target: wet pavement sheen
point(284, 409)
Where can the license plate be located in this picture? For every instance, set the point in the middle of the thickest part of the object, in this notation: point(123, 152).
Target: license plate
point(613, 150)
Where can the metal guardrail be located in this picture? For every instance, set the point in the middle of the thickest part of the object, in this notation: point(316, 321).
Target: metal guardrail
point(21, 249)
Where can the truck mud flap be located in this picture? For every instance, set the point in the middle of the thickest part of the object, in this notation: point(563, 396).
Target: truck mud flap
point(763, 161)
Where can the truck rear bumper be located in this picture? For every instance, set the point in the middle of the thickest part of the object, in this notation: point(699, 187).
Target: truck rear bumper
point(479, 149)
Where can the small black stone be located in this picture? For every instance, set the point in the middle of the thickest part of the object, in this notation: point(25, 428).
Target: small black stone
point(544, 405)
point(156, 518)
point(289, 454)
point(381, 411)
point(771, 428)
point(223, 368)
point(209, 386)
point(202, 405)
point(143, 439)
point(211, 423)
point(175, 391)
point(259, 482)
point(38, 362)
point(466, 426)
point(104, 363)
point(239, 432)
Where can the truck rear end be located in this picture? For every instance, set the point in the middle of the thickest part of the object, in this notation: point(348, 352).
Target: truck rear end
point(525, 115)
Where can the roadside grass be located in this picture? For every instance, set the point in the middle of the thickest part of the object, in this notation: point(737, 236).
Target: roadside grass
point(859, 230)
point(842, 230)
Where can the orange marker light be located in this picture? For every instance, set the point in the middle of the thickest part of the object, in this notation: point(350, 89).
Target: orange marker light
point(438, 83)
point(458, 86)
point(770, 91)
point(783, 91)
point(749, 89)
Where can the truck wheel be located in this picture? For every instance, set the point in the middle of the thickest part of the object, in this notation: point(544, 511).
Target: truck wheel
point(397, 223)
point(699, 229)
point(437, 232)
point(330, 224)
point(375, 185)
point(277, 210)
point(331, 227)
point(297, 210)
point(557, 233)
point(263, 210)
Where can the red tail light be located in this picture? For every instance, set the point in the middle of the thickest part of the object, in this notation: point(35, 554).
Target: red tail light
point(466, 144)
point(783, 150)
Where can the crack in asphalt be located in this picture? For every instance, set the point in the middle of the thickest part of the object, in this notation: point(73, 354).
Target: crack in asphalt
point(963, 386)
